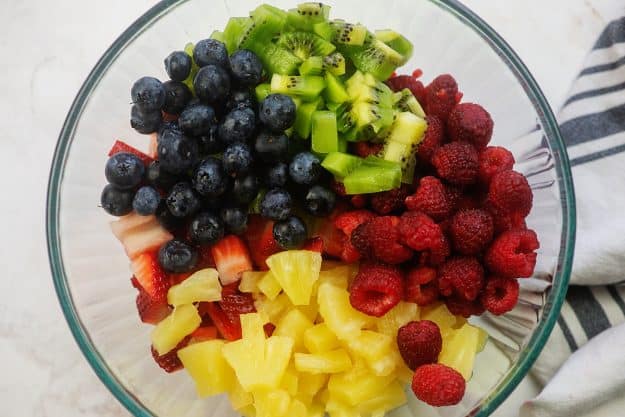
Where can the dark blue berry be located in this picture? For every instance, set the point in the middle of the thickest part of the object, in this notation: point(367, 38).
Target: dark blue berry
point(196, 119)
point(245, 189)
point(276, 204)
point(182, 201)
point(210, 52)
point(146, 201)
point(115, 201)
point(148, 93)
point(210, 143)
point(241, 99)
point(158, 177)
point(237, 126)
point(124, 170)
point(246, 67)
point(178, 65)
point(168, 220)
point(177, 152)
point(206, 228)
point(272, 147)
point(235, 219)
point(290, 233)
point(305, 168)
point(177, 257)
point(277, 175)
point(145, 121)
point(319, 201)
point(177, 95)
point(237, 159)
point(277, 112)
point(212, 84)
point(209, 178)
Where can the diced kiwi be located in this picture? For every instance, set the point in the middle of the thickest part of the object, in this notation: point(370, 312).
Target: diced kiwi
point(373, 57)
point(188, 48)
point(267, 21)
point(306, 86)
point(376, 161)
point(262, 91)
point(341, 164)
point(368, 179)
point(304, 44)
point(325, 30)
point(362, 88)
point(371, 119)
point(254, 206)
point(334, 63)
point(311, 66)
point(342, 145)
point(342, 32)
point(401, 143)
point(265, 8)
point(406, 101)
point(276, 60)
point(303, 117)
point(217, 35)
point(397, 42)
point(335, 91)
point(324, 135)
point(306, 15)
point(234, 30)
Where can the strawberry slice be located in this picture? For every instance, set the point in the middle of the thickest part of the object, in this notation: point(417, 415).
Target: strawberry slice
point(151, 310)
point(232, 258)
point(139, 234)
point(314, 244)
point(225, 313)
point(153, 149)
point(259, 238)
point(120, 146)
point(202, 334)
point(205, 259)
point(333, 239)
point(170, 361)
point(151, 276)
point(347, 222)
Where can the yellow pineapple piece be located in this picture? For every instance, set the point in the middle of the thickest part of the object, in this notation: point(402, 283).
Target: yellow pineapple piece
point(399, 315)
point(316, 410)
point(293, 324)
point(248, 411)
point(271, 403)
point(460, 348)
point(319, 338)
point(440, 315)
point(199, 358)
point(324, 362)
point(297, 408)
point(338, 408)
point(311, 384)
point(290, 380)
point(249, 281)
point(311, 310)
point(323, 396)
point(384, 400)
point(337, 312)
point(387, 364)
point(239, 398)
point(371, 345)
point(357, 385)
point(175, 327)
point(272, 310)
point(338, 276)
point(269, 286)
point(203, 285)
point(483, 338)
point(296, 271)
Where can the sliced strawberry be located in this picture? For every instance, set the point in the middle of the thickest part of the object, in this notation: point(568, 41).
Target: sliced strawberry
point(205, 259)
point(150, 310)
point(175, 279)
point(153, 149)
point(314, 244)
point(170, 361)
point(225, 313)
point(202, 334)
point(350, 254)
point(259, 238)
point(140, 235)
point(125, 224)
point(151, 276)
point(350, 220)
point(232, 258)
point(333, 239)
point(120, 146)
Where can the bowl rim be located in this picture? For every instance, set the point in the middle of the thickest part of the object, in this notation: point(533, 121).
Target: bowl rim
point(567, 197)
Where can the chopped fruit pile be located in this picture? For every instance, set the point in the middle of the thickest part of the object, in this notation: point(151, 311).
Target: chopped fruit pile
point(309, 231)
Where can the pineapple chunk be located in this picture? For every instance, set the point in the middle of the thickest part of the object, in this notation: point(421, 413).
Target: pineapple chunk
point(290, 381)
point(293, 324)
point(271, 403)
point(482, 339)
point(175, 327)
point(248, 411)
point(338, 276)
point(249, 281)
point(296, 271)
point(384, 400)
point(272, 310)
point(311, 310)
point(371, 345)
point(203, 285)
point(297, 408)
point(311, 384)
point(357, 385)
point(460, 348)
point(239, 398)
point(440, 315)
point(198, 358)
point(269, 286)
point(337, 408)
point(319, 338)
point(399, 315)
point(323, 363)
point(337, 312)
point(316, 410)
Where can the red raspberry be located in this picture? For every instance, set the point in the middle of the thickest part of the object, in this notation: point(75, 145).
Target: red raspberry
point(387, 202)
point(379, 239)
point(420, 275)
point(358, 201)
point(338, 188)
point(492, 160)
point(471, 231)
point(463, 276)
point(440, 96)
point(506, 221)
point(510, 192)
point(438, 385)
point(431, 198)
point(438, 254)
point(170, 362)
point(456, 162)
point(468, 201)
point(421, 287)
point(419, 231)
point(459, 307)
point(419, 343)
point(500, 295)
point(364, 149)
point(469, 122)
point(376, 289)
point(432, 140)
point(348, 221)
point(512, 254)
point(400, 82)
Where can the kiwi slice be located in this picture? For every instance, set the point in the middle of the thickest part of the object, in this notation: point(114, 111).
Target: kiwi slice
point(368, 179)
point(340, 32)
point(303, 117)
point(371, 120)
point(397, 42)
point(373, 57)
point(217, 35)
point(401, 143)
point(406, 101)
point(276, 60)
point(334, 63)
point(324, 135)
point(188, 48)
point(234, 30)
point(341, 164)
point(342, 144)
point(267, 22)
point(262, 91)
point(308, 87)
point(364, 87)
point(306, 15)
point(304, 44)
point(335, 91)
point(311, 66)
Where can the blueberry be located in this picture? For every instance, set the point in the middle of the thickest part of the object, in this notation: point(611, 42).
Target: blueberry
point(237, 159)
point(148, 93)
point(305, 168)
point(276, 204)
point(168, 220)
point(145, 121)
point(146, 201)
point(196, 119)
point(240, 99)
point(210, 143)
point(277, 175)
point(182, 201)
point(245, 189)
point(237, 126)
point(124, 170)
point(272, 147)
point(290, 233)
point(277, 112)
point(177, 152)
point(115, 201)
point(212, 84)
point(176, 256)
point(158, 177)
point(209, 178)
point(178, 65)
point(210, 52)
point(177, 95)
point(246, 67)
point(206, 228)
point(235, 219)
point(319, 201)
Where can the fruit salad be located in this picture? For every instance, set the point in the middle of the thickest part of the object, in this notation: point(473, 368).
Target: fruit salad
point(309, 232)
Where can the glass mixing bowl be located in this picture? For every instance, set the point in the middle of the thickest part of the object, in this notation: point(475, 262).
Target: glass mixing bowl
point(90, 269)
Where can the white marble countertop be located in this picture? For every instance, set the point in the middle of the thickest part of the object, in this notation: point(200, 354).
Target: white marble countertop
point(47, 49)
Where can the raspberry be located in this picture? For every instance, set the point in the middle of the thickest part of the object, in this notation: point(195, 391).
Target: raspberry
point(462, 276)
point(492, 160)
point(421, 287)
point(365, 149)
point(437, 254)
point(416, 87)
point(421, 275)
point(338, 188)
point(379, 239)
point(438, 385)
point(468, 201)
point(358, 201)
point(500, 295)
point(376, 289)
point(348, 221)
point(419, 343)
point(440, 96)
point(169, 362)
point(512, 254)
point(469, 122)
point(419, 231)
point(387, 202)
point(471, 231)
point(431, 198)
point(510, 192)
point(506, 221)
point(456, 162)
point(432, 140)
point(464, 308)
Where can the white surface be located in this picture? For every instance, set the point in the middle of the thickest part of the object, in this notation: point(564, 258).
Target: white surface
point(47, 50)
